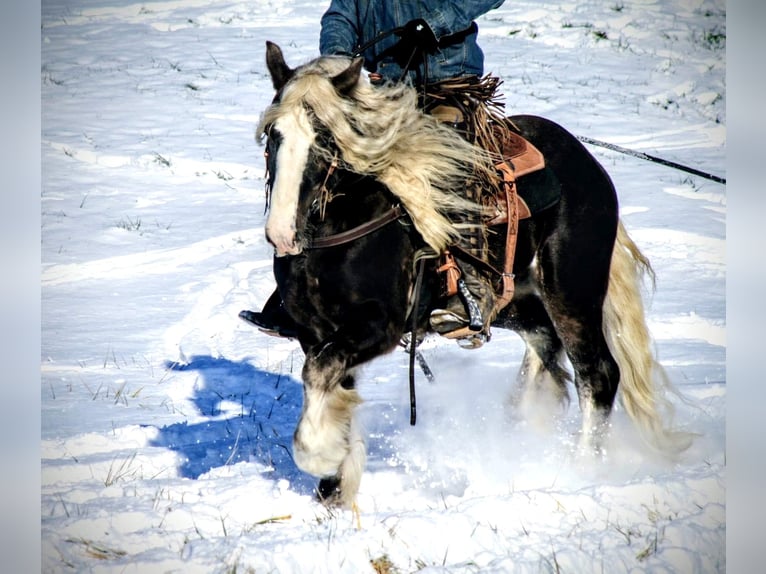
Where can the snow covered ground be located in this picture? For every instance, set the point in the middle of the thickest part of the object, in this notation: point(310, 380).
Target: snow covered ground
point(166, 422)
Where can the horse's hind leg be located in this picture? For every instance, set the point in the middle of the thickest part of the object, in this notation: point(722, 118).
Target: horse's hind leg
point(596, 378)
point(573, 293)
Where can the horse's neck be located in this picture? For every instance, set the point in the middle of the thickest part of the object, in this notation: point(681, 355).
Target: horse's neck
point(356, 199)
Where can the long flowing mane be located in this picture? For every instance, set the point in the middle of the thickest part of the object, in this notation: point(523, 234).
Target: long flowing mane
point(381, 131)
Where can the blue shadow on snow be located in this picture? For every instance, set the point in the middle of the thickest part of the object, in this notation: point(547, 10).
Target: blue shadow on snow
point(249, 415)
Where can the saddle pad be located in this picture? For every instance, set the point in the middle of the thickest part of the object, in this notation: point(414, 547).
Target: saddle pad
point(539, 190)
point(537, 186)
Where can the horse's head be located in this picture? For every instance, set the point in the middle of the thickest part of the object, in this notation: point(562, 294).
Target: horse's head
point(326, 109)
point(296, 142)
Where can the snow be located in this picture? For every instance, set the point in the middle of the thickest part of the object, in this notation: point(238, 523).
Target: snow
point(166, 421)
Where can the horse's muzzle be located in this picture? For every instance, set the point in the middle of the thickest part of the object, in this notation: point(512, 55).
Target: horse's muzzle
point(285, 243)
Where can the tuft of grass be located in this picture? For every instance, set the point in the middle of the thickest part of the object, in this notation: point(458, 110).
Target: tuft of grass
point(120, 471)
point(49, 79)
point(567, 24)
point(629, 533)
point(97, 550)
point(383, 565)
point(264, 521)
point(651, 548)
point(658, 519)
point(93, 395)
point(600, 35)
point(714, 39)
point(163, 161)
point(120, 394)
point(129, 224)
point(162, 226)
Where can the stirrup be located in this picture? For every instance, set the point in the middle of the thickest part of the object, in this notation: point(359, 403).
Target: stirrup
point(468, 339)
point(472, 342)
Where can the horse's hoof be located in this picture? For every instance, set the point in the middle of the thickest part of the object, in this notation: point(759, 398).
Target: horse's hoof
point(328, 491)
point(474, 341)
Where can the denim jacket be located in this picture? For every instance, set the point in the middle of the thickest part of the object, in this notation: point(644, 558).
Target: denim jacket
point(349, 24)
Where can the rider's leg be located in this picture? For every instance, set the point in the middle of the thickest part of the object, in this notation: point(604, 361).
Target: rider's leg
point(454, 320)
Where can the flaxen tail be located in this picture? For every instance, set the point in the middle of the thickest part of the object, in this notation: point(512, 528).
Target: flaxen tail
point(643, 381)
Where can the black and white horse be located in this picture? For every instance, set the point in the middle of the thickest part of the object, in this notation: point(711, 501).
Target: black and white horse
point(342, 153)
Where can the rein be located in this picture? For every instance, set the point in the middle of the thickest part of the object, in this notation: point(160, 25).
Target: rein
point(380, 37)
point(355, 233)
point(413, 352)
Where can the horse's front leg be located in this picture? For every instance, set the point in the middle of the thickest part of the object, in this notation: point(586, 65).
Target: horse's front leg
point(327, 442)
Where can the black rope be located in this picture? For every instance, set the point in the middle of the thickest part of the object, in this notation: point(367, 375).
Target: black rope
point(655, 159)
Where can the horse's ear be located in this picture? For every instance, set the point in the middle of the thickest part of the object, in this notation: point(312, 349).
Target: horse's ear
point(348, 78)
point(275, 62)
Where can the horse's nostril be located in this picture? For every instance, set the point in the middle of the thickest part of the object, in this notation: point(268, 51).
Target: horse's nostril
point(281, 234)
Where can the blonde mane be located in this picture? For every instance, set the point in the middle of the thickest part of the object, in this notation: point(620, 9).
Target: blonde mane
point(380, 131)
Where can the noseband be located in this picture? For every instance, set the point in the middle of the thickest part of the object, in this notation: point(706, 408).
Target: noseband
point(396, 212)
